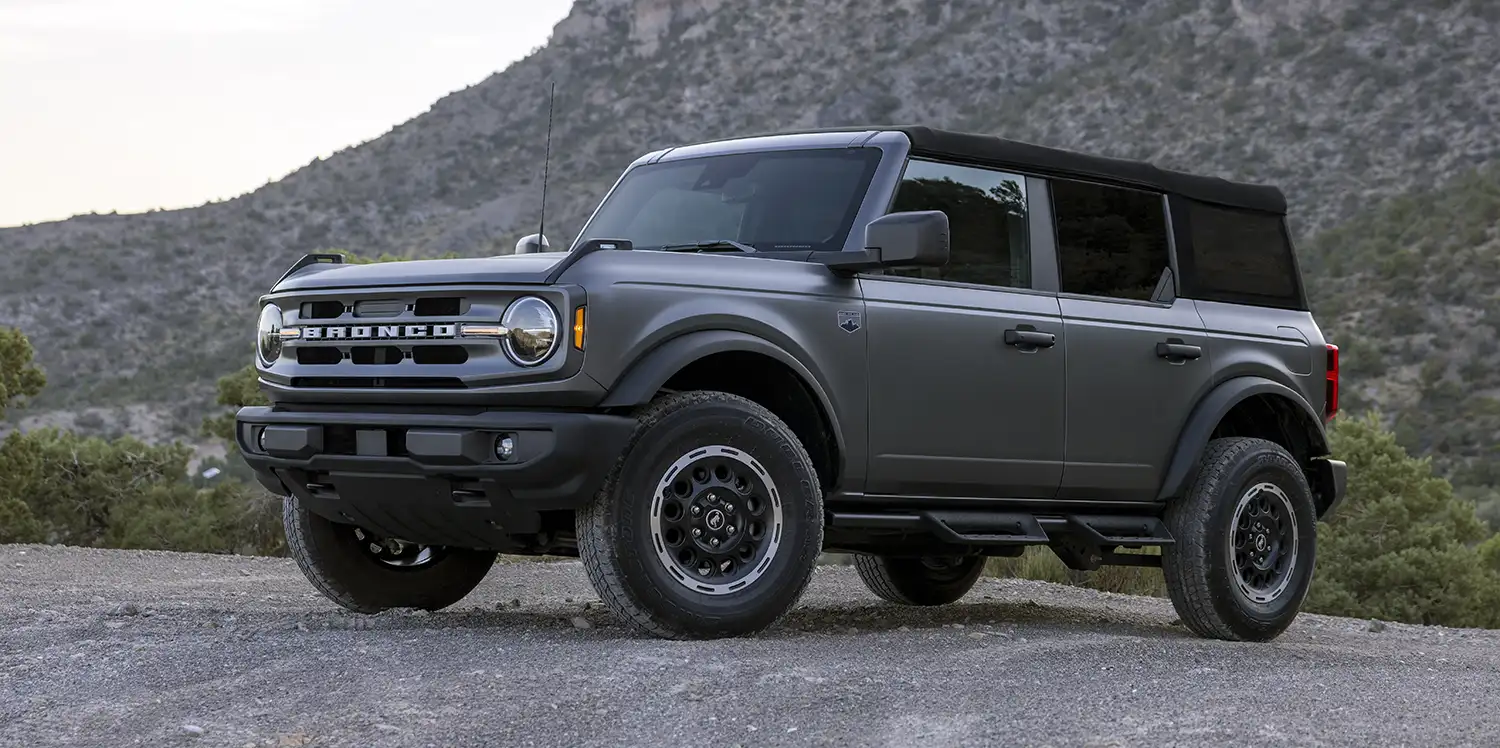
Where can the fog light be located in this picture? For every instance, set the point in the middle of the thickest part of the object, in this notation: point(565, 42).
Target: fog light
point(260, 440)
point(505, 447)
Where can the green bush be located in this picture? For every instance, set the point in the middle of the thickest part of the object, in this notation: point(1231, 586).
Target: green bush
point(122, 493)
point(1403, 547)
point(19, 377)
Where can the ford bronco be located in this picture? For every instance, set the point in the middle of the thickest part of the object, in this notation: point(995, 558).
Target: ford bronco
point(921, 347)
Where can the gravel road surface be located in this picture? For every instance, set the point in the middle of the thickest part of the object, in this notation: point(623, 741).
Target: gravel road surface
point(123, 648)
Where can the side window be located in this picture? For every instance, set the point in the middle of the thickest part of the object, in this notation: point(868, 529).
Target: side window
point(1111, 241)
point(986, 217)
point(1240, 257)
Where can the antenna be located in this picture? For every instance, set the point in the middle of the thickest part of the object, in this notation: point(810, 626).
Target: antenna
point(541, 231)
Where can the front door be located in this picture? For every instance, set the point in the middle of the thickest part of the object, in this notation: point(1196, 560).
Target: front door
point(1138, 357)
point(966, 360)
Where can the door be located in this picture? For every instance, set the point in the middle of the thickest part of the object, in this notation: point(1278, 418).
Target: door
point(1137, 355)
point(965, 361)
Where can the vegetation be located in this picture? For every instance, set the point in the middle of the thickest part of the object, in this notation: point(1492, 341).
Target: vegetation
point(61, 487)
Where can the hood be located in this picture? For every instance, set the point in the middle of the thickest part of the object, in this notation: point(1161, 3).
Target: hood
point(529, 269)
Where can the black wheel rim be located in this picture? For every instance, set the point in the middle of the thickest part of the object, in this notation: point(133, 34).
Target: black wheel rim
point(1263, 543)
point(396, 553)
point(716, 520)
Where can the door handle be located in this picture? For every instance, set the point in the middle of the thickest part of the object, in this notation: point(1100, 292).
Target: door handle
point(1030, 338)
point(1176, 350)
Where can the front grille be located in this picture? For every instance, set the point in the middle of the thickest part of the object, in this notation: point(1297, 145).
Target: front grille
point(394, 338)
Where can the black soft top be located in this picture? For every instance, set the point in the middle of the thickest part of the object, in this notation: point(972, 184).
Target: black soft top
point(1042, 160)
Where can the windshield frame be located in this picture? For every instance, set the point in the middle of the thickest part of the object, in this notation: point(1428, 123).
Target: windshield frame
point(878, 185)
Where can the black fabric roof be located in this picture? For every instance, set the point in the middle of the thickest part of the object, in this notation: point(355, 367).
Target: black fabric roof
point(996, 151)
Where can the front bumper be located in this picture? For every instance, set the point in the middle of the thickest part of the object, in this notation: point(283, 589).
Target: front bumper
point(430, 477)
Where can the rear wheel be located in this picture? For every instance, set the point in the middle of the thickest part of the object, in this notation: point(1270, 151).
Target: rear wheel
point(1245, 542)
point(711, 523)
point(368, 574)
point(930, 580)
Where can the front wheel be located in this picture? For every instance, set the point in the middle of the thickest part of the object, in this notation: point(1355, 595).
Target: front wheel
point(930, 580)
point(711, 523)
point(368, 574)
point(1246, 537)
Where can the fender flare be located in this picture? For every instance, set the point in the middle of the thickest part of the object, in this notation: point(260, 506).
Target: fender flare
point(1194, 436)
point(646, 376)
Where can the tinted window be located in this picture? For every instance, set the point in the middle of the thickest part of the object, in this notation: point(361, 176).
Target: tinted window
point(1241, 257)
point(1111, 241)
point(986, 219)
point(780, 200)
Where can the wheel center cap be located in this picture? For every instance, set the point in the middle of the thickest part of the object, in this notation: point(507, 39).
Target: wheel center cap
point(1260, 542)
point(714, 520)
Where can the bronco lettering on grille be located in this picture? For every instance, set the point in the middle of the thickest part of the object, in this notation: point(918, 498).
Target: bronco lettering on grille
point(380, 332)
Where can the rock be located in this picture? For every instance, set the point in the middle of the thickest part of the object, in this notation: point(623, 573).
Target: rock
point(976, 634)
point(125, 609)
point(383, 727)
point(193, 731)
point(579, 622)
point(515, 602)
point(1375, 627)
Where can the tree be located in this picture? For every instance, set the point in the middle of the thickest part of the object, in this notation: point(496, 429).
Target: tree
point(1403, 547)
point(19, 377)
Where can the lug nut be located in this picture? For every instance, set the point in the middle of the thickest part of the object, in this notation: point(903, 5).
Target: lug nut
point(697, 532)
point(729, 529)
point(697, 510)
point(713, 542)
point(729, 507)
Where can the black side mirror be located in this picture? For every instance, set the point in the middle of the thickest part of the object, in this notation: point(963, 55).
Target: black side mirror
point(914, 238)
point(897, 240)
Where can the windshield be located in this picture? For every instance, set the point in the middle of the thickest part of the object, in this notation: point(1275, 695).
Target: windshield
point(772, 201)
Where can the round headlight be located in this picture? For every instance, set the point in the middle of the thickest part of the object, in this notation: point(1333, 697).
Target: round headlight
point(532, 327)
point(268, 334)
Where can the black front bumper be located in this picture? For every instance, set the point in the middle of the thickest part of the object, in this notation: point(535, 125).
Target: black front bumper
point(433, 478)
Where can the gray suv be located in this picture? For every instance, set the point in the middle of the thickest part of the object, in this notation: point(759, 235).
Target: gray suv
point(920, 347)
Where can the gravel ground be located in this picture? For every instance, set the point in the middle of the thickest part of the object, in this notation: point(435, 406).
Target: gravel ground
point(120, 648)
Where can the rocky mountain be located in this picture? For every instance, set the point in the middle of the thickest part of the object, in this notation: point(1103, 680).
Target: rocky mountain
point(1347, 104)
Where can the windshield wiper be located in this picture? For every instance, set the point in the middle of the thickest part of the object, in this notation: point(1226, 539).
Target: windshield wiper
point(709, 244)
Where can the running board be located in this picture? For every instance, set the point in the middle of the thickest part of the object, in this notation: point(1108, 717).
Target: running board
point(969, 527)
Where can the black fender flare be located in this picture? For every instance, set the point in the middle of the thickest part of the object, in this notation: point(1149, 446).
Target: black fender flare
point(1200, 425)
point(645, 377)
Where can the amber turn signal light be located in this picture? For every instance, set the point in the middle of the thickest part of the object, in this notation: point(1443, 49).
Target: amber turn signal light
point(578, 328)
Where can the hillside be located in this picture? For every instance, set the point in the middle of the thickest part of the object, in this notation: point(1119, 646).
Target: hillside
point(1345, 103)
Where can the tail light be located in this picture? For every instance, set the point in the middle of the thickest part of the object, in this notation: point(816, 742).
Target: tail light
point(1331, 393)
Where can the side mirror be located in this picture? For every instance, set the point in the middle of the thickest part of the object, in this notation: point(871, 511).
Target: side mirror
point(914, 238)
point(532, 244)
point(896, 240)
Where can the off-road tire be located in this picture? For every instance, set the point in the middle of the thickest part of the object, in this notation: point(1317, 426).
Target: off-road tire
point(1199, 570)
point(910, 581)
point(614, 530)
point(333, 559)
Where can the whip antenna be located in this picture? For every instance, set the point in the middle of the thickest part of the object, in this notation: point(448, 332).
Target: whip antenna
point(541, 230)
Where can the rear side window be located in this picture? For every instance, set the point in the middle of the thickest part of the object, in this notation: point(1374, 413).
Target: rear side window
point(1239, 257)
point(1111, 241)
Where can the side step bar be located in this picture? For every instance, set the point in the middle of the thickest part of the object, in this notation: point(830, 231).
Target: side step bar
point(1013, 528)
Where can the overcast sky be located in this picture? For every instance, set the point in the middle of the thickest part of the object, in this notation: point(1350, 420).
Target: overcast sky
point(134, 104)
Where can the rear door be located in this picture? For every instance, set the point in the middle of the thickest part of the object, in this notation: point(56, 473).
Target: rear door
point(966, 361)
point(1138, 357)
